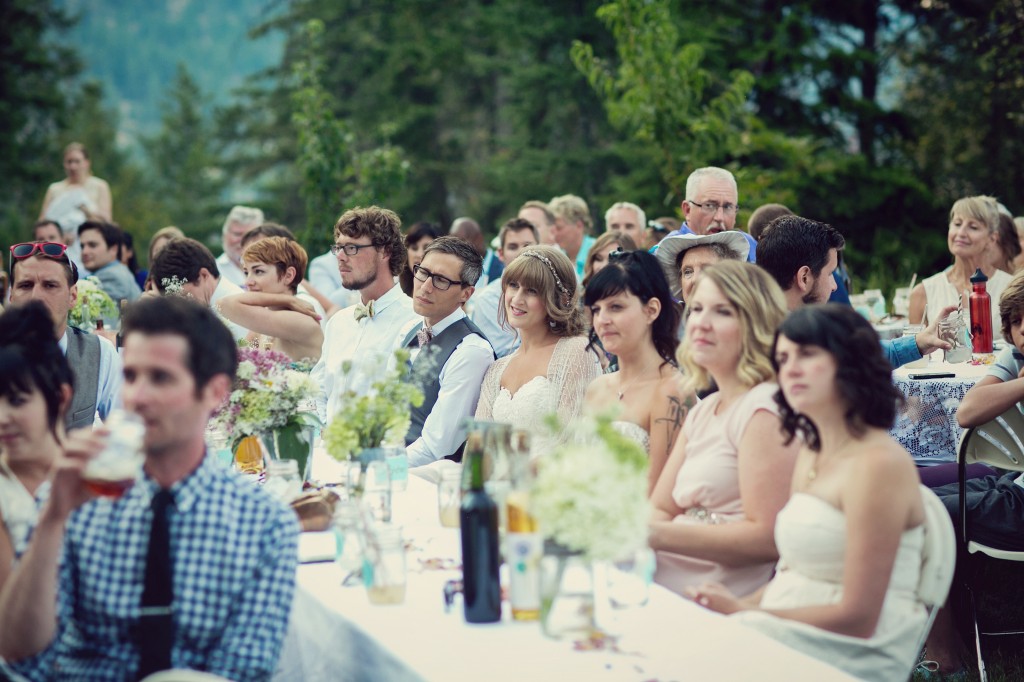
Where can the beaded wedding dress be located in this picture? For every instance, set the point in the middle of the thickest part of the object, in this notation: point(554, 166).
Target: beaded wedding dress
point(811, 537)
point(560, 391)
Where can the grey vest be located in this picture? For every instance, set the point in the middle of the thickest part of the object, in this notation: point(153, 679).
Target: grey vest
point(84, 357)
point(441, 348)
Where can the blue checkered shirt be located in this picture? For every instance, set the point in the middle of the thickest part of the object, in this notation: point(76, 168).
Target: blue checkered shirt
point(234, 553)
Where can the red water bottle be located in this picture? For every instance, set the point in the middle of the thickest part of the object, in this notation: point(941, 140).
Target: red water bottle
point(981, 314)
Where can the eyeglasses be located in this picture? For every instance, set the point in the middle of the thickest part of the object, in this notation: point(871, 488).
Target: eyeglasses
point(349, 249)
point(711, 207)
point(440, 282)
point(656, 227)
point(617, 254)
point(51, 249)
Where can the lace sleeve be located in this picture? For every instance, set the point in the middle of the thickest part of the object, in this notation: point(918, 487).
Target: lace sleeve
point(489, 389)
point(574, 367)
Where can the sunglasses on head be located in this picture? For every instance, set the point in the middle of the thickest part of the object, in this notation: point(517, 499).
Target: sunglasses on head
point(51, 249)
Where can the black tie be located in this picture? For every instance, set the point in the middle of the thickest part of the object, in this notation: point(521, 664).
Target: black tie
point(156, 627)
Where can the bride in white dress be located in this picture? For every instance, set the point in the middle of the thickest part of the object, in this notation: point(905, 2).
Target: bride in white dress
point(549, 372)
point(850, 538)
point(636, 319)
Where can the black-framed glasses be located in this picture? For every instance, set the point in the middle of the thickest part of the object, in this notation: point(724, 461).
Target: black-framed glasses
point(440, 282)
point(711, 207)
point(617, 254)
point(656, 227)
point(51, 249)
point(349, 249)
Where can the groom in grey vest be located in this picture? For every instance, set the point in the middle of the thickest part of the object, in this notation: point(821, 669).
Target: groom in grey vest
point(53, 280)
point(449, 354)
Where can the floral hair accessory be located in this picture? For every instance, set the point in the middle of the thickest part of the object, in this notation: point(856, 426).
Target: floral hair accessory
point(551, 267)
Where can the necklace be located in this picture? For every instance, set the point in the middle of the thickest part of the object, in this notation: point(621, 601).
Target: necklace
point(622, 389)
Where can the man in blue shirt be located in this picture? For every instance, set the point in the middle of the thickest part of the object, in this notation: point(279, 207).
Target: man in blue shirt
point(101, 255)
point(191, 568)
point(801, 255)
point(711, 204)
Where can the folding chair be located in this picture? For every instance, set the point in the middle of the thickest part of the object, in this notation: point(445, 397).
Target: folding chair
point(938, 558)
point(997, 443)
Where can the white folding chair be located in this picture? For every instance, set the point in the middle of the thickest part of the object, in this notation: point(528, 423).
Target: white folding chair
point(997, 443)
point(938, 557)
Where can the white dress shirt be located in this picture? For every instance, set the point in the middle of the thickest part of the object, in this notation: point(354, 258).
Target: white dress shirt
point(230, 271)
point(461, 377)
point(366, 345)
point(108, 385)
point(485, 316)
point(226, 287)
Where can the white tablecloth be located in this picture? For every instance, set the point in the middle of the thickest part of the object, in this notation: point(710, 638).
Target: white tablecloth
point(927, 425)
point(670, 638)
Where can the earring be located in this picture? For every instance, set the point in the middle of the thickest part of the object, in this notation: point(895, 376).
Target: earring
point(551, 324)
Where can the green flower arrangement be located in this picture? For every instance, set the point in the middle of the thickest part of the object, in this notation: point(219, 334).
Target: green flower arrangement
point(379, 418)
point(590, 495)
point(92, 304)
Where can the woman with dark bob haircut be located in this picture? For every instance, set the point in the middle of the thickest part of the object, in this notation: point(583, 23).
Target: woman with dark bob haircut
point(35, 392)
point(635, 318)
point(851, 535)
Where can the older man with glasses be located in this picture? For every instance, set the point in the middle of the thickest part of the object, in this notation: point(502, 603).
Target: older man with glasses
point(42, 271)
point(711, 205)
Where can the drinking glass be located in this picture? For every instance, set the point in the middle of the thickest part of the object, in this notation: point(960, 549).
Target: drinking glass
point(117, 466)
point(384, 564)
point(283, 481)
point(377, 490)
point(398, 464)
point(449, 496)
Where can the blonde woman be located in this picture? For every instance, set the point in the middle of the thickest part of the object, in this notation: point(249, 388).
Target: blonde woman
point(80, 191)
point(606, 244)
point(279, 320)
point(550, 371)
point(728, 474)
point(972, 240)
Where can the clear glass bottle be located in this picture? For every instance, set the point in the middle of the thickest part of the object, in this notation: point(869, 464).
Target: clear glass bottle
point(384, 564)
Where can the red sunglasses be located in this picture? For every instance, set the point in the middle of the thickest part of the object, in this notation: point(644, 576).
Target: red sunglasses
point(51, 249)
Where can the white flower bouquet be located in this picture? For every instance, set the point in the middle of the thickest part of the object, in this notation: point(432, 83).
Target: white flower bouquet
point(92, 304)
point(590, 495)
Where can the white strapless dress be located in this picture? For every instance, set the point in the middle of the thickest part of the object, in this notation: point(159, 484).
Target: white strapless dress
point(527, 409)
point(635, 432)
point(811, 537)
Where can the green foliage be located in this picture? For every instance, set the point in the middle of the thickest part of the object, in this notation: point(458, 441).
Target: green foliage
point(659, 94)
point(335, 171)
point(36, 68)
point(184, 161)
point(379, 417)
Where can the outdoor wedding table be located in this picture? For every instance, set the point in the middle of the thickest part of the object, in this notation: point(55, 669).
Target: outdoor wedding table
point(927, 425)
point(668, 639)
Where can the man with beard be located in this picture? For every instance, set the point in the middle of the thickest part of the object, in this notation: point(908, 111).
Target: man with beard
point(359, 340)
point(801, 255)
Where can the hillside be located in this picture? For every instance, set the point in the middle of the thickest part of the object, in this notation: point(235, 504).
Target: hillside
point(133, 49)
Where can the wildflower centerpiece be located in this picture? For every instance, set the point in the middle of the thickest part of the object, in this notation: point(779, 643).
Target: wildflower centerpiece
point(590, 503)
point(274, 399)
point(92, 304)
point(378, 418)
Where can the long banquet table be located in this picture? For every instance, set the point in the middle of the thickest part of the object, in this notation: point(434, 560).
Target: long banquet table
point(337, 634)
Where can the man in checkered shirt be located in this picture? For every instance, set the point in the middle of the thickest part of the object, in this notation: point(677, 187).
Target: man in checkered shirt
point(71, 610)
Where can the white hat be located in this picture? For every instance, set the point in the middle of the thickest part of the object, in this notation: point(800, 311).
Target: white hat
point(670, 247)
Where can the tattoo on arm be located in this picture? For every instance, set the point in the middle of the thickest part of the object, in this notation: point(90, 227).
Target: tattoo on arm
point(673, 420)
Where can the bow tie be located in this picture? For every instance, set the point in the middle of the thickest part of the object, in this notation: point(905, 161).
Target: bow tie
point(424, 335)
point(364, 311)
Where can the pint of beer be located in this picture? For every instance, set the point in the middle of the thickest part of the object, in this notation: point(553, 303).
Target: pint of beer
point(117, 467)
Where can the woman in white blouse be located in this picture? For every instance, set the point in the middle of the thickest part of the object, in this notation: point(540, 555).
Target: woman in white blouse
point(550, 371)
point(35, 391)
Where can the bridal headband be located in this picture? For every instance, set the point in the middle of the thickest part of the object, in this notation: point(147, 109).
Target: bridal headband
point(551, 267)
